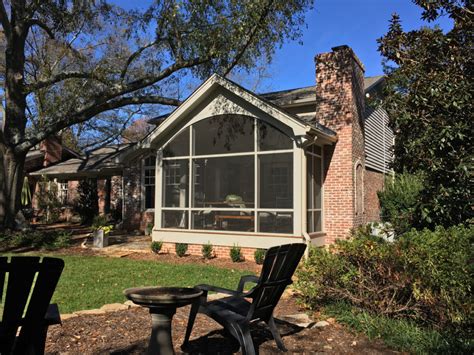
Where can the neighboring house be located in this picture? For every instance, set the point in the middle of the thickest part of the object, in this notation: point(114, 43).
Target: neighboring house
point(230, 166)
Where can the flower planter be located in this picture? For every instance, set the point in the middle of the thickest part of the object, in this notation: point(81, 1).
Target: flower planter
point(101, 239)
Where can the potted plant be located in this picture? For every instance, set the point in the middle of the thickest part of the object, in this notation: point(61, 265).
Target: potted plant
point(101, 230)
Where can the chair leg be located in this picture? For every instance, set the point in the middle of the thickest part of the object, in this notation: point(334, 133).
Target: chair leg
point(245, 340)
point(276, 334)
point(192, 317)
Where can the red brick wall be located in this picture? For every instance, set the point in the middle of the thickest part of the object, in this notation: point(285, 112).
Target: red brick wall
point(340, 105)
point(374, 181)
point(52, 149)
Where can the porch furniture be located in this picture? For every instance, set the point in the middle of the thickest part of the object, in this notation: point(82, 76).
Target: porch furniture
point(162, 303)
point(235, 313)
point(221, 217)
point(38, 313)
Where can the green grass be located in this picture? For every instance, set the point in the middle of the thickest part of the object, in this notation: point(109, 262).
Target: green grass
point(90, 282)
point(398, 334)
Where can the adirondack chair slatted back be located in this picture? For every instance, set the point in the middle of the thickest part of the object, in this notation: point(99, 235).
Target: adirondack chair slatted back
point(20, 285)
point(278, 267)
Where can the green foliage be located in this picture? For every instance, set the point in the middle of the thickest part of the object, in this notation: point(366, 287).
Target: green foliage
point(429, 99)
point(398, 334)
point(149, 228)
point(99, 221)
point(48, 201)
point(25, 192)
point(207, 251)
point(48, 240)
point(399, 201)
point(156, 246)
point(259, 256)
point(423, 275)
point(87, 202)
point(236, 254)
point(181, 249)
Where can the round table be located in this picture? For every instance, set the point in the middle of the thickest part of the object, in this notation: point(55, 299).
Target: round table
point(162, 302)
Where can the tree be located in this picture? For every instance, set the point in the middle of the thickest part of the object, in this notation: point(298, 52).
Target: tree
point(429, 98)
point(136, 131)
point(68, 63)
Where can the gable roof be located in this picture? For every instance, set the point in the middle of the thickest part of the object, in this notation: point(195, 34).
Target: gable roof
point(308, 94)
point(96, 161)
point(262, 103)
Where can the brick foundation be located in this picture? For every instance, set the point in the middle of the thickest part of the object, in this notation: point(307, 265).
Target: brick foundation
point(219, 250)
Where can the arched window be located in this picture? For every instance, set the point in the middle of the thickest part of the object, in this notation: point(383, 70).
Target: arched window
point(228, 173)
point(359, 188)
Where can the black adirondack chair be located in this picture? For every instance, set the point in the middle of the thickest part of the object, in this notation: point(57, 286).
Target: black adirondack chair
point(236, 314)
point(39, 314)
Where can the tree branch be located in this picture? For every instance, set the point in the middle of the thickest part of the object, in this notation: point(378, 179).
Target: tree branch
point(42, 25)
point(133, 56)
point(40, 84)
point(5, 21)
point(90, 112)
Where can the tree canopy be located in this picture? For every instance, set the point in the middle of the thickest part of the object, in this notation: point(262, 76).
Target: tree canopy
point(429, 98)
point(70, 63)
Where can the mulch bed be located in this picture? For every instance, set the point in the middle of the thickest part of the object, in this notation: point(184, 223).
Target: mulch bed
point(127, 332)
point(248, 265)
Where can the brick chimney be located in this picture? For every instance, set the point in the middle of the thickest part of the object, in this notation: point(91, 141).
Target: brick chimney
point(52, 149)
point(340, 105)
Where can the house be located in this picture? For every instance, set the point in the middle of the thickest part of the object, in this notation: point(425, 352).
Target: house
point(231, 167)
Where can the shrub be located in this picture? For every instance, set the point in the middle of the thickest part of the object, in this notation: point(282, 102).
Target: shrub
point(149, 228)
point(48, 201)
point(156, 246)
point(181, 249)
point(424, 275)
point(87, 205)
point(236, 254)
point(399, 202)
point(99, 221)
point(207, 251)
point(259, 256)
point(49, 240)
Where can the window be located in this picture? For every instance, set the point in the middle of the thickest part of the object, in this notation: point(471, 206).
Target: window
point(149, 165)
point(62, 191)
point(212, 184)
point(314, 189)
point(359, 188)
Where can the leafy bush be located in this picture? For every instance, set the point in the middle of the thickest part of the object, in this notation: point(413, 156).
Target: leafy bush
point(207, 251)
point(87, 203)
point(236, 254)
point(399, 201)
point(50, 240)
point(424, 275)
point(48, 201)
point(149, 228)
point(156, 246)
point(181, 249)
point(259, 256)
point(99, 221)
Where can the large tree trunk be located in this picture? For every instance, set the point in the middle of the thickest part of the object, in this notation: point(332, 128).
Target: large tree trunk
point(12, 177)
point(15, 114)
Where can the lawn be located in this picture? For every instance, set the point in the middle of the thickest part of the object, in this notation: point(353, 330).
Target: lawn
point(89, 282)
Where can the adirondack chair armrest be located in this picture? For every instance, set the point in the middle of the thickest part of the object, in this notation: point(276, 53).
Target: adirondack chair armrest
point(245, 279)
point(52, 315)
point(208, 288)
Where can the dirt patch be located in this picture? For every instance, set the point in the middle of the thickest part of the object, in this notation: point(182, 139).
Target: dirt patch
point(127, 332)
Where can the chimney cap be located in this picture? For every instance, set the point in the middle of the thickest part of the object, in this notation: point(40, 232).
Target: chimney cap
point(341, 47)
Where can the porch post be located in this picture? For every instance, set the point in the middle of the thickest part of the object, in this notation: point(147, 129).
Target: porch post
point(158, 186)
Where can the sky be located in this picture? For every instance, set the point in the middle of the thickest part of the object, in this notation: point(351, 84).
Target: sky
point(356, 23)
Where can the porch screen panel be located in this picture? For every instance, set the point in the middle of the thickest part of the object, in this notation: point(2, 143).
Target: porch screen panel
point(213, 187)
point(314, 189)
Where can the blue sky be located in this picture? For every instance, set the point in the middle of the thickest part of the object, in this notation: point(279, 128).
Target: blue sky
point(357, 23)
